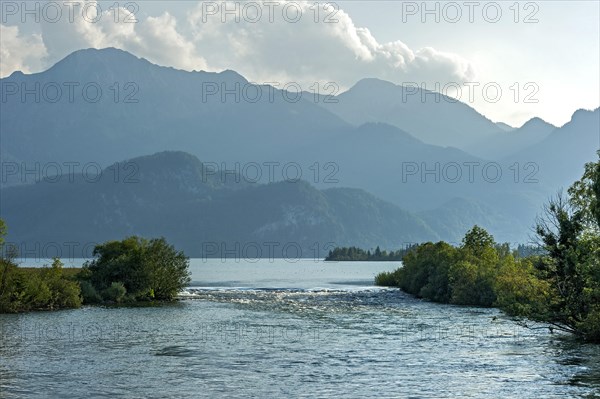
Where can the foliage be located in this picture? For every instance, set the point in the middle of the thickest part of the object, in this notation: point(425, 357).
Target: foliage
point(569, 230)
point(45, 288)
point(115, 293)
point(442, 273)
point(480, 273)
point(144, 269)
point(358, 254)
point(2, 232)
point(559, 285)
point(387, 279)
point(89, 293)
point(519, 290)
point(425, 271)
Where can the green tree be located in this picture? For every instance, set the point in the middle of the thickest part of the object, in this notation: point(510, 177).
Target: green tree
point(519, 290)
point(472, 278)
point(2, 232)
point(425, 271)
point(585, 194)
point(478, 241)
point(147, 269)
point(569, 229)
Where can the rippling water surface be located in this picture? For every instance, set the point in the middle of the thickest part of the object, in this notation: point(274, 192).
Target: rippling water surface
point(276, 329)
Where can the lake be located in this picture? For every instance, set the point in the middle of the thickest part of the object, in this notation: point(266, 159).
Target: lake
point(290, 329)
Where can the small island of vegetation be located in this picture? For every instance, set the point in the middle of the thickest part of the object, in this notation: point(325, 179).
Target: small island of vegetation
point(560, 288)
point(131, 271)
point(359, 254)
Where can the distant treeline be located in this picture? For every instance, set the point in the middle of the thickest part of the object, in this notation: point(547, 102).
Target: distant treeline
point(358, 254)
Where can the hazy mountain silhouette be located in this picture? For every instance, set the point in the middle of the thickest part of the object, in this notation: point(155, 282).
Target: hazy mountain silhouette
point(429, 116)
point(505, 127)
point(562, 154)
point(505, 143)
point(173, 194)
point(168, 109)
point(162, 108)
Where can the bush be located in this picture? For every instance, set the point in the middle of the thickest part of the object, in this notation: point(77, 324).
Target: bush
point(387, 279)
point(442, 273)
point(115, 293)
point(46, 288)
point(590, 326)
point(147, 269)
point(519, 291)
point(89, 293)
point(425, 271)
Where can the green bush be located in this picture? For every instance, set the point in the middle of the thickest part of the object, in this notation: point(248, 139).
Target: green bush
point(519, 290)
point(442, 273)
point(387, 279)
point(89, 293)
point(115, 293)
point(590, 326)
point(45, 288)
point(425, 271)
point(147, 269)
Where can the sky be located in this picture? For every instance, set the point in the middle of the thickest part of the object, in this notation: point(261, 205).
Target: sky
point(509, 60)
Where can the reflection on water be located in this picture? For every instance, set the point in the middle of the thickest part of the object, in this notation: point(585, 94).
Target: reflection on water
point(247, 332)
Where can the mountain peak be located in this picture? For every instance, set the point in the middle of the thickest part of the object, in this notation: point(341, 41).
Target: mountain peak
point(97, 60)
point(536, 122)
point(231, 75)
point(581, 112)
point(108, 53)
point(370, 84)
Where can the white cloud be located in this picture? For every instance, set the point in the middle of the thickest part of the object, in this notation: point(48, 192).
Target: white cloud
point(304, 51)
point(155, 38)
point(18, 52)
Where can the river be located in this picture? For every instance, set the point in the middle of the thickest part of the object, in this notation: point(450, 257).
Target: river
point(278, 329)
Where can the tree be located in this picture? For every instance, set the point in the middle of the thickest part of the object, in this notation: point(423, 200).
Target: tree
point(146, 269)
point(472, 278)
point(519, 291)
point(569, 229)
point(2, 232)
point(585, 194)
point(425, 271)
point(8, 268)
point(477, 241)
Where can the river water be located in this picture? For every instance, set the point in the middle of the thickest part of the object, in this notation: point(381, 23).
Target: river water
point(278, 329)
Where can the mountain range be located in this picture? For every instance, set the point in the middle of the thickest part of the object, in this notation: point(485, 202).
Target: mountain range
point(204, 211)
point(433, 168)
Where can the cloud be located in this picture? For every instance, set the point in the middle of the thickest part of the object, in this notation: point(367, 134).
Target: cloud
point(20, 53)
point(160, 42)
point(306, 51)
point(155, 38)
point(272, 46)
